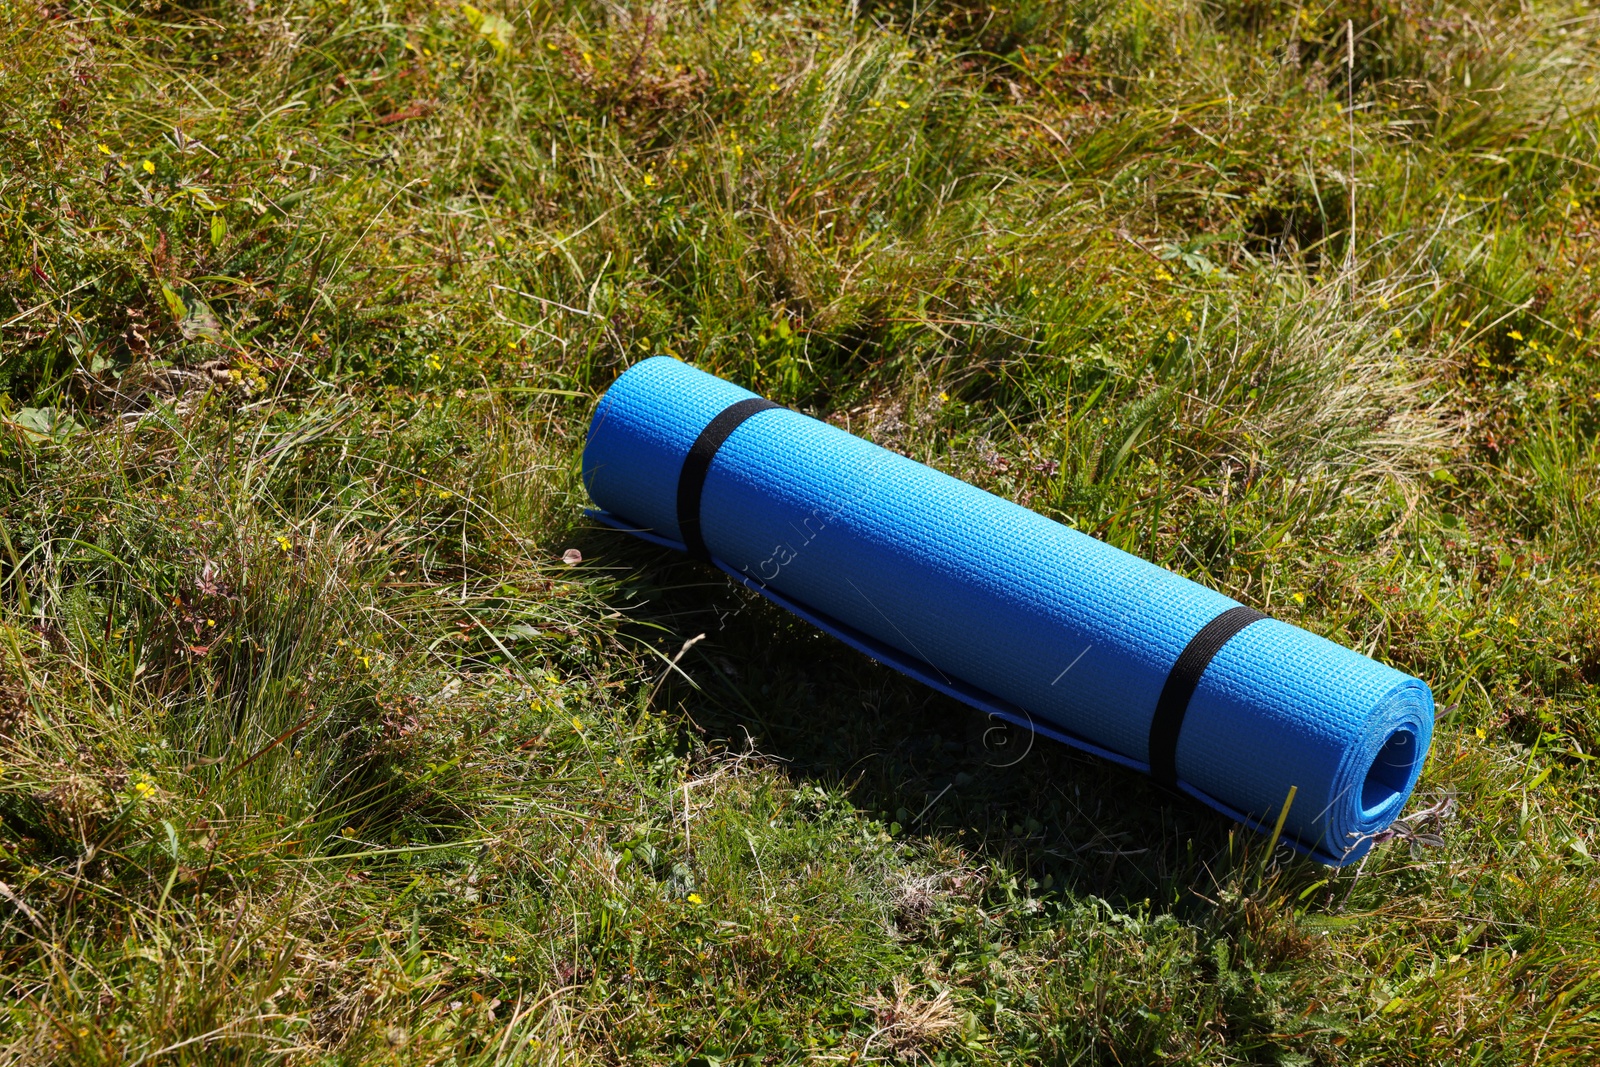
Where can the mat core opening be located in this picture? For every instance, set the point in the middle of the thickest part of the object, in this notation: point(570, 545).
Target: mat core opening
point(1389, 773)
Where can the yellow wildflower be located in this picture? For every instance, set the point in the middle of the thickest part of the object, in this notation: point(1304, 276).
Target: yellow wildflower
point(149, 167)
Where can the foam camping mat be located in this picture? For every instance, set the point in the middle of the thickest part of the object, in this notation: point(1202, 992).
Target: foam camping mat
point(1013, 613)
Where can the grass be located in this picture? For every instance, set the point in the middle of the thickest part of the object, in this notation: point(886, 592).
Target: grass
point(315, 748)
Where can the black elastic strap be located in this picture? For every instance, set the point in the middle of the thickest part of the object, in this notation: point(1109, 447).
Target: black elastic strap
point(692, 479)
point(1181, 683)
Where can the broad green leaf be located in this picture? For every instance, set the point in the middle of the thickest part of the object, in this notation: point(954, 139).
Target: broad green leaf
point(174, 303)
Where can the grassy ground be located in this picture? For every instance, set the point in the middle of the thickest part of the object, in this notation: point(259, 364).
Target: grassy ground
point(313, 748)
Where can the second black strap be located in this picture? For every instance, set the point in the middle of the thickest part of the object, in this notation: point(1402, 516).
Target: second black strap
point(1181, 683)
point(692, 478)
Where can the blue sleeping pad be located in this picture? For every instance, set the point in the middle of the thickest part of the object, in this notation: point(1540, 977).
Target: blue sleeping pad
point(1012, 612)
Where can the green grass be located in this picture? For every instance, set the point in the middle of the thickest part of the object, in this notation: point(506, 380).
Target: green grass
point(314, 749)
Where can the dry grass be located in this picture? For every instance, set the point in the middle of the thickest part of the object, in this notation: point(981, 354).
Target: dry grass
point(330, 731)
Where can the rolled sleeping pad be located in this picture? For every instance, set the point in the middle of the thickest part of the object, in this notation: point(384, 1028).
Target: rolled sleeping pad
point(1011, 612)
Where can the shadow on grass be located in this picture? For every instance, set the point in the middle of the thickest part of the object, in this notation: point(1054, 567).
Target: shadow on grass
point(926, 763)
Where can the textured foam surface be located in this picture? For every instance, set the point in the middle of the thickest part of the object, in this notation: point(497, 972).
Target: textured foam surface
point(1015, 612)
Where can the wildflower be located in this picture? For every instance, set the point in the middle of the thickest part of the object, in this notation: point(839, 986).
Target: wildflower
point(508, 957)
point(349, 831)
point(149, 167)
point(903, 105)
point(445, 494)
point(757, 58)
point(577, 724)
point(144, 789)
point(1515, 335)
point(1298, 598)
point(943, 396)
point(1396, 334)
point(649, 181)
point(283, 543)
point(694, 898)
point(772, 87)
point(1171, 336)
point(104, 151)
point(1163, 276)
